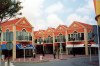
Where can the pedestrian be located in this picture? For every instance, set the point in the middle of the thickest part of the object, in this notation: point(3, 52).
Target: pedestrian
point(54, 54)
point(58, 52)
point(43, 53)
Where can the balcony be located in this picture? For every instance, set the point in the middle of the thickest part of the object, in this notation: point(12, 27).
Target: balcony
point(24, 38)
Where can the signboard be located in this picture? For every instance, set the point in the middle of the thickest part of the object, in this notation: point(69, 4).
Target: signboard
point(9, 45)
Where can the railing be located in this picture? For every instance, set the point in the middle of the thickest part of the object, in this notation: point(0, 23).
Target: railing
point(26, 38)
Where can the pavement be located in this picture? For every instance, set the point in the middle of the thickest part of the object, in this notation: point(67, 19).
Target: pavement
point(47, 57)
point(69, 60)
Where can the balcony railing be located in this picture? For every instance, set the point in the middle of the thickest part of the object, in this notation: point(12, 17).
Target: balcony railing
point(24, 38)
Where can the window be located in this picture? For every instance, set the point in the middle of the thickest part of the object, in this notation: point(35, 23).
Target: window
point(68, 37)
point(4, 36)
point(82, 36)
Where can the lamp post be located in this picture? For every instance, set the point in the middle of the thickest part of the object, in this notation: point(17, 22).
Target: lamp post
point(73, 47)
point(24, 53)
point(0, 46)
point(61, 45)
point(9, 45)
point(90, 51)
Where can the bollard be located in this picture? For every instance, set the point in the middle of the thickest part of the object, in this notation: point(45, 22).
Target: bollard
point(11, 64)
point(5, 63)
point(41, 57)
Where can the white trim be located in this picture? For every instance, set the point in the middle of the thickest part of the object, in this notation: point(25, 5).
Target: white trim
point(71, 45)
point(80, 45)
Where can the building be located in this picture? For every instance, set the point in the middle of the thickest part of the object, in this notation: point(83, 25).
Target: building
point(78, 36)
point(38, 39)
point(19, 32)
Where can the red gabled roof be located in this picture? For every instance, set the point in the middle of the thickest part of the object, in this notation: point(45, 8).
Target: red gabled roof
point(86, 25)
point(10, 22)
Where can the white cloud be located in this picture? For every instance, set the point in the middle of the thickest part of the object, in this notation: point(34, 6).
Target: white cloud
point(33, 11)
point(82, 14)
point(76, 17)
point(87, 8)
point(32, 7)
point(53, 20)
point(57, 7)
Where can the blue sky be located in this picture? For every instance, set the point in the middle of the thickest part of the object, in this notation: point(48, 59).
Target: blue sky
point(51, 13)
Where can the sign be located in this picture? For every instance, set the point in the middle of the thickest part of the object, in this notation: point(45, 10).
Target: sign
point(9, 45)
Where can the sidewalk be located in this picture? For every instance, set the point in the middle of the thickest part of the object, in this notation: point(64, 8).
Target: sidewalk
point(47, 57)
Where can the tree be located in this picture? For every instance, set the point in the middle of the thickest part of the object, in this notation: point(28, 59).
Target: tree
point(9, 9)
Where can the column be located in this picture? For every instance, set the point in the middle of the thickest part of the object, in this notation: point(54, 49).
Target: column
point(32, 34)
point(53, 42)
point(14, 43)
point(66, 36)
point(43, 43)
point(86, 41)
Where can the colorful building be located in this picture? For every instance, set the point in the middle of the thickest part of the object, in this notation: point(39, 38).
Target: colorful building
point(78, 36)
point(18, 32)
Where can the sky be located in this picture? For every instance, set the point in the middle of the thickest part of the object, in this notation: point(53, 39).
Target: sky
point(52, 13)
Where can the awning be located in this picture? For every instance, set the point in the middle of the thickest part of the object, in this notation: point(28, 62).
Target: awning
point(3, 47)
point(29, 46)
point(19, 46)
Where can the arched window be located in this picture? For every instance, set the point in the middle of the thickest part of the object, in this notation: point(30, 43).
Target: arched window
point(50, 39)
point(7, 35)
point(24, 34)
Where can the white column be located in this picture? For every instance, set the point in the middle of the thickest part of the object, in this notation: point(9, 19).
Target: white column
point(66, 36)
point(86, 41)
point(53, 42)
point(43, 43)
point(14, 43)
point(32, 34)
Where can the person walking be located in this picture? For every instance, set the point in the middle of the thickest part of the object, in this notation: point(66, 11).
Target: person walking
point(54, 54)
point(58, 52)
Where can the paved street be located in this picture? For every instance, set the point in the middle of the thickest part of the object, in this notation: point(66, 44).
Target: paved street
point(68, 62)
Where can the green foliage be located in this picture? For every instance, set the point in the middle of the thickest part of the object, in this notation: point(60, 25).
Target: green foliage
point(9, 9)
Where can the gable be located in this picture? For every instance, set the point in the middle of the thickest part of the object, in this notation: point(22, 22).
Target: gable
point(75, 25)
point(23, 22)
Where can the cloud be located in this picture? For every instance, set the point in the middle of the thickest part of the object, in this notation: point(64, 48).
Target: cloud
point(33, 11)
point(53, 20)
point(83, 14)
point(32, 7)
point(75, 17)
point(86, 9)
point(55, 8)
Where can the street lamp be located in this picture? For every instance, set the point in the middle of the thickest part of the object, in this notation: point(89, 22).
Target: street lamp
point(9, 45)
point(61, 45)
point(90, 51)
point(24, 52)
point(73, 47)
point(0, 46)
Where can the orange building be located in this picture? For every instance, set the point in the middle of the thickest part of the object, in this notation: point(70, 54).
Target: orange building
point(51, 38)
point(20, 33)
point(61, 39)
point(78, 36)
